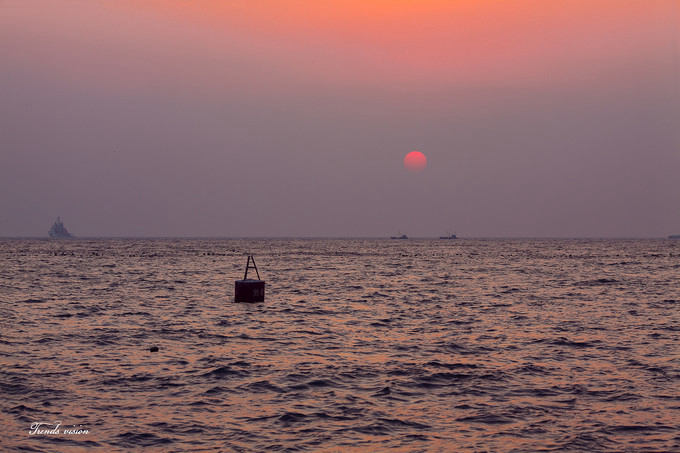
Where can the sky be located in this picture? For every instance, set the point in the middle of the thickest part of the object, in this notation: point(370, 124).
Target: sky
point(292, 118)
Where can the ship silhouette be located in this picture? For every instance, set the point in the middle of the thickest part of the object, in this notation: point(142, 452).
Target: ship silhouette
point(59, 231)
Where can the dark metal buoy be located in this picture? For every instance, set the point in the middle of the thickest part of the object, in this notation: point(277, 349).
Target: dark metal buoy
point(248, 289)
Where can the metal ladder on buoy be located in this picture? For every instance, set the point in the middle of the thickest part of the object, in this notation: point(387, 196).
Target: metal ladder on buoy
point(248, 266)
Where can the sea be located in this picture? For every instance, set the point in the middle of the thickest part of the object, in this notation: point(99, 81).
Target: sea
point(361, 345)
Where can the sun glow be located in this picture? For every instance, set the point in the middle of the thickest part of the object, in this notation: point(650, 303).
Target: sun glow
point(415, 161)
point(464, 42)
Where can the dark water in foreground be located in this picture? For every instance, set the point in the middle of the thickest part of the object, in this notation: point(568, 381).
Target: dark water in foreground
point(362, 345)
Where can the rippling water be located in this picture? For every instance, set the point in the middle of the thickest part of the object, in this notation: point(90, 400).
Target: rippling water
point(361, 345)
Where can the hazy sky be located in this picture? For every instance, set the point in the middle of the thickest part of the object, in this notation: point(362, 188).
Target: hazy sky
point(291, 118)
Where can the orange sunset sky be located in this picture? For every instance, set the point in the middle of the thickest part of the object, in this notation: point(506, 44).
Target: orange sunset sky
point(537, 117)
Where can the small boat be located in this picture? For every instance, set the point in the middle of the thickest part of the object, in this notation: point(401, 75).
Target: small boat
point(674, 236)
point(450, 236)
point(59, 231)
point(403, 236)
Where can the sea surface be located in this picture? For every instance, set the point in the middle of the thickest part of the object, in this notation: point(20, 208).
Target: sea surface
point(361, 345)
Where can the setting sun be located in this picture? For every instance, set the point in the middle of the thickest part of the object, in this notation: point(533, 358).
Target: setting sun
point(415, 161)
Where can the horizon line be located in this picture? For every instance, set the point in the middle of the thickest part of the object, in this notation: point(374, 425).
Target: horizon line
point(388, 238)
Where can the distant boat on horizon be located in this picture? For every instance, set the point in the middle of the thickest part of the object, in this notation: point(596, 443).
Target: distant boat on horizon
point(59, 231)
point(674, 236)
point(450, 236)
point(403, 236)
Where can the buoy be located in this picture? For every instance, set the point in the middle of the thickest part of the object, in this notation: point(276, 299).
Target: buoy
point(248, 289)
point(153, 349)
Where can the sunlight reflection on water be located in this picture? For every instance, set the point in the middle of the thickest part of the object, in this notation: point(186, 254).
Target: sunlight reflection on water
point(361, 345)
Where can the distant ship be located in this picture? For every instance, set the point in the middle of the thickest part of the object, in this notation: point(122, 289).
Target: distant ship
point(59, 231)
point(403, 236)
point(674, 236)
point(450, 236)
